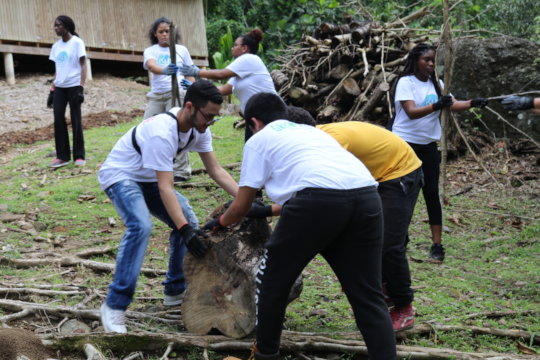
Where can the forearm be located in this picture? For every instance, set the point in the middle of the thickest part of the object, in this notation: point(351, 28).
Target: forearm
point(168, 196)
point(239, 207)
point(225, 180)
point(217, 74)
point(83, 71)
point(419, 112)
point(536, 103)
point(461, 105)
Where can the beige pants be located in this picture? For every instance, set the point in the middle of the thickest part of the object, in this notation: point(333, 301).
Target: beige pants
point(159, 103)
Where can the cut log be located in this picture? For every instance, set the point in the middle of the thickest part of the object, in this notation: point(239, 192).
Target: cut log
point(221, 286)
point(339, 72)
point(279, 78)
point(299, 95)
point(328, 114)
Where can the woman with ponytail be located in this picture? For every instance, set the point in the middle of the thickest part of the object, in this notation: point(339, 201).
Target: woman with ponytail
point(418, 102)
point(247, 74)
point(69, 56)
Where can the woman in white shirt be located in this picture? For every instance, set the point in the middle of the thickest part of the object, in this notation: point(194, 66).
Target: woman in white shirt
point(418, 101)
point(69, 56)
point(247, 74)
point(157, 60)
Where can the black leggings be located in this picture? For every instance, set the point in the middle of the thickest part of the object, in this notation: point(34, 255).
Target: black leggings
point(431, 158)
point(345, 227)
point(62, 97)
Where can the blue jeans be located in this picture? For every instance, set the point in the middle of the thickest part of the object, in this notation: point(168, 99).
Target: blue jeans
point(135, 202)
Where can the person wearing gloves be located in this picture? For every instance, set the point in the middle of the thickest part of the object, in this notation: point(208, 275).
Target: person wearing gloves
point(157, 60)
point(247, 74)
point(418, 101)
point(137, 176)
point(69, 56)
point(330, 206)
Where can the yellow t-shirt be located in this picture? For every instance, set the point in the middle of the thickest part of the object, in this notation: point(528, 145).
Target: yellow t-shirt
point(386, 155)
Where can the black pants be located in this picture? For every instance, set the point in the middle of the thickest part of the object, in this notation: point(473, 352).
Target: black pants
point(398, 198)
point(63, 96)
point(431, 158)
point(345, 227)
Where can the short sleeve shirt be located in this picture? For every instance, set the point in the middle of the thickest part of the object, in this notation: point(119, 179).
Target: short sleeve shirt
point(252, 77)
point(159, 140)
point(162, 56)
point(426, 129)
point(66, 57)
point(285, 158)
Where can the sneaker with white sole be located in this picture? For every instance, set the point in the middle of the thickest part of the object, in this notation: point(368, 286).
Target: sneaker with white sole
point(402, 317)
point(80, 162)
point(173, 300)
point(56, 163)
point(113, 320)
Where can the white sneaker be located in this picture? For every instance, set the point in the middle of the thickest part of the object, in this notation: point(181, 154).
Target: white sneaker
point(172, 300)
point(113, 320)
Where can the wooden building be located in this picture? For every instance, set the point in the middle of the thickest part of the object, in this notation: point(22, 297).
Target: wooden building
point(114, 30)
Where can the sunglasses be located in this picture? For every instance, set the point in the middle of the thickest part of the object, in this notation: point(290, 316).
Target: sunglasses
point(210, 119)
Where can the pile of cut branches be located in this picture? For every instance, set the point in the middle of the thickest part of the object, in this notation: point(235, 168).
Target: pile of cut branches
point(345, 72)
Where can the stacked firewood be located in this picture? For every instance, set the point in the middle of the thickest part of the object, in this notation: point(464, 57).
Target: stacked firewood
point(346, 72)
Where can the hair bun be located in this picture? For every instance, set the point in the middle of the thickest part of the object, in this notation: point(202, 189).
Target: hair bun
point(256, 34)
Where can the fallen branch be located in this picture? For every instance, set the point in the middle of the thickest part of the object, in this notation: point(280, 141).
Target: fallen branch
point(71, 261)
point(229, 166)
point(73, 312)
point(290, 343)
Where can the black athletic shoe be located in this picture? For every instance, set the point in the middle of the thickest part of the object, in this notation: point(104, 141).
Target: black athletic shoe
point(437, 252)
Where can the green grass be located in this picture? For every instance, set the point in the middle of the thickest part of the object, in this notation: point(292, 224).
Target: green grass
point(492, 263)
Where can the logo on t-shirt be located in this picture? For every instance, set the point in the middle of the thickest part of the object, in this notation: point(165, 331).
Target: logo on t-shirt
point(430, 99)
point(62, 57)
point(164, 60)
point(283, 125)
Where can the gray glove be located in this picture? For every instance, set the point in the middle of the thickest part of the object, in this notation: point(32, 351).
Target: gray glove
point(189, 70)
point(518, 102)
point(170, 69)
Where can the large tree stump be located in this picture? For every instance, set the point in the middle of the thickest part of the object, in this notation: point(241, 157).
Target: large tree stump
point(221, 286)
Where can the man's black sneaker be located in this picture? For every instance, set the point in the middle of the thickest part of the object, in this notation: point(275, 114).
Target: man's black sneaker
point(437, 252)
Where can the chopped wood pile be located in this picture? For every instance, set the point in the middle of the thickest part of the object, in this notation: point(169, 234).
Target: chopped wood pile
point(345, 72)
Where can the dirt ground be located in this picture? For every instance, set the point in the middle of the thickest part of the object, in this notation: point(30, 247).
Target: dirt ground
point(25, 118)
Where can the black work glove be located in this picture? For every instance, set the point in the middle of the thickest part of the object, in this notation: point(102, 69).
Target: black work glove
point(444, 101)
point(193, 243)
point(259, 210)
point(518, 102)
point(479, 102)
point(212, 224)
point(50, 99)
point(80, 94)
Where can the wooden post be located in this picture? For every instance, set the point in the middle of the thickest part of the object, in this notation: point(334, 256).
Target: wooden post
point(448, 64)
point(172, 49)
point(9, 69)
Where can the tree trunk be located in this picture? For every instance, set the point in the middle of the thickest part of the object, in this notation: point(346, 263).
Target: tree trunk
point(221, 286)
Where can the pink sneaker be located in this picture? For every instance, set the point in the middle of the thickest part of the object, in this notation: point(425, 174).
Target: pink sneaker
point(402, 317)
point(56, 163)
point(80, 162)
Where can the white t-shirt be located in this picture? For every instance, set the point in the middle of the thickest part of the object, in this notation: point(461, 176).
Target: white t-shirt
point(159, 140)
point(285, 157)
point(162, 56)
point(66, 57)
point(252, 78)
point(426, 129)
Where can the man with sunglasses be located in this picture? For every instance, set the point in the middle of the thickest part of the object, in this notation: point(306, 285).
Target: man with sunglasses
point(138, 178)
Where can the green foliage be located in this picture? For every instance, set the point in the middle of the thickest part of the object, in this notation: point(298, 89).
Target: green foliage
point(224, 57)
point(284, 22)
